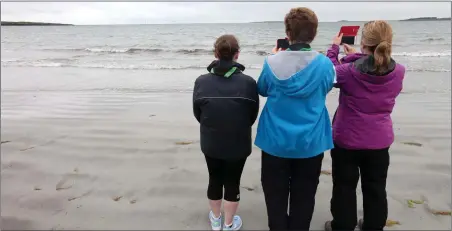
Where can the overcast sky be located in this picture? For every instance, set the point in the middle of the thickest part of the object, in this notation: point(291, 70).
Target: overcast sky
point(211, 12)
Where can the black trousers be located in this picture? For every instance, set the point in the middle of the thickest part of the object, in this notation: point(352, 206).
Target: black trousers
point(227, 174)
point(347, 166)
point(297, 177)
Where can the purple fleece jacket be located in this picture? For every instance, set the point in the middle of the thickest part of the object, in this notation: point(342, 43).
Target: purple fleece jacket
point(363, 117)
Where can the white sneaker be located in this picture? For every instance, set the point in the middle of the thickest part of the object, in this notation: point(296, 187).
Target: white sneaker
point(215, 222)
point(236, 224)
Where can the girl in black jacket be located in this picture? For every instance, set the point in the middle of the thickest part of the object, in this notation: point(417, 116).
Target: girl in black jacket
point(226, 104)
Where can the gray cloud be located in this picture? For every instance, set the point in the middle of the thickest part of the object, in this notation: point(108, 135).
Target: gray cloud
point(211, 12)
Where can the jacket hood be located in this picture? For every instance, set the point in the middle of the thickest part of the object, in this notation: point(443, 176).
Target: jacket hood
point(221, 67)
point(363, 69)
point(296, 73)
point(365, 64)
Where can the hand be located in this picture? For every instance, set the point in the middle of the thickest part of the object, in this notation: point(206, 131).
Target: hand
point(276, 50)
point(337, 39)
point(349, 49)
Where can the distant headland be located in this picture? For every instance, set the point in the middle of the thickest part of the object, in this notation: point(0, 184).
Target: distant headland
point(8, 23)
point(427, 19)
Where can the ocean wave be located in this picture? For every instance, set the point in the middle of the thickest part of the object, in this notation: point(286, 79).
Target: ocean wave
point(10, 60)
point(414, 69)
point(134, 50)
point(199, 51)
point(125, 50)
point(195, 51)
point(109, 50)
point(423, 54)
point(262, 53)
point(432, 39)
point(111, 66)
point(159, 67)
point(407, 54)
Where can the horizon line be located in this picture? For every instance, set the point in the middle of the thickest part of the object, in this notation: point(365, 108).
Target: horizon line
point(249, 22)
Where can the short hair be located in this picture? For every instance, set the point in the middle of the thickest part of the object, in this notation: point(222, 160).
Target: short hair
point(301, 24)
point(226, 46)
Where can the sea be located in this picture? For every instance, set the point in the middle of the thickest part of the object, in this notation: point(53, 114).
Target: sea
point(168, 55)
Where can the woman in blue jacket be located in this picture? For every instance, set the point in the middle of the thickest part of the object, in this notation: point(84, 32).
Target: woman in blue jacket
point(294, 127)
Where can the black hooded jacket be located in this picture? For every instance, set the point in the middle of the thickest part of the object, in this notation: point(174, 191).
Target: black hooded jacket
point(226, 104)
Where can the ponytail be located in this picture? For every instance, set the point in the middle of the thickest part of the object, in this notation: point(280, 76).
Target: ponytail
point(377, 35)
point(382, 55)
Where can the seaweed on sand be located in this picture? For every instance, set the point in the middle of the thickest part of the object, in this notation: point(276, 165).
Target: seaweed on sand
point(390, 223)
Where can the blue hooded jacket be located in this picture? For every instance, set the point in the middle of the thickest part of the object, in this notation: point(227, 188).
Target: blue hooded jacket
point(294, 122)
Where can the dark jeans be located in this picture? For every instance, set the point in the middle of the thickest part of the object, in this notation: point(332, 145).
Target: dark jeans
point(347, 166)
point(297, 177)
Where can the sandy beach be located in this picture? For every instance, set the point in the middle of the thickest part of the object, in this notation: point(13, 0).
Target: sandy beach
point(95, 151)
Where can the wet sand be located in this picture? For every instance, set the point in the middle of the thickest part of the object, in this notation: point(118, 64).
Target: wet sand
point(86, 152)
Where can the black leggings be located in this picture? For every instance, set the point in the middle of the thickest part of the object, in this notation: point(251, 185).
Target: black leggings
point(225, 173)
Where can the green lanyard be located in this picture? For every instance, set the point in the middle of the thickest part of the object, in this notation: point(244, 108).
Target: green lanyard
point(228, 74)
point(302, 49)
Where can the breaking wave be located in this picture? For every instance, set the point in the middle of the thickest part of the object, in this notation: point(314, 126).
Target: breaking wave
point(198, 51)
point(6, 63)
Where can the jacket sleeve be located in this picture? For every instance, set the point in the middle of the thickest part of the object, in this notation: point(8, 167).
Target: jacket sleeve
point(255, 106)
point(196, 106)
point(330, 76)
point(342, 73)
point(262, 83)
point(333, 53)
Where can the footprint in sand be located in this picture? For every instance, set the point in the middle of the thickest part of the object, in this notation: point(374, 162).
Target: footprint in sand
point(62, 184)
point(68, 180)
point(412, 143)
point(44, 144)
point(248, 188)
point(78, 197)
point(117, 198)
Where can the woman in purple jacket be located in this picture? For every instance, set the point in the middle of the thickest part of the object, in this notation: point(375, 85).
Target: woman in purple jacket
point(369, 83)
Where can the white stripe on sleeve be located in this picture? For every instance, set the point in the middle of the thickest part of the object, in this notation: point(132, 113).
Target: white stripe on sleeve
point(334, 77)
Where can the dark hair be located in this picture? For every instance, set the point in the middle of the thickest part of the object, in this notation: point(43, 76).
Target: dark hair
point(301, 25)
point(226, 46)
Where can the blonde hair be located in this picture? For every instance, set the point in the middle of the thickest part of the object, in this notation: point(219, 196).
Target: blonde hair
point(377, 36)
